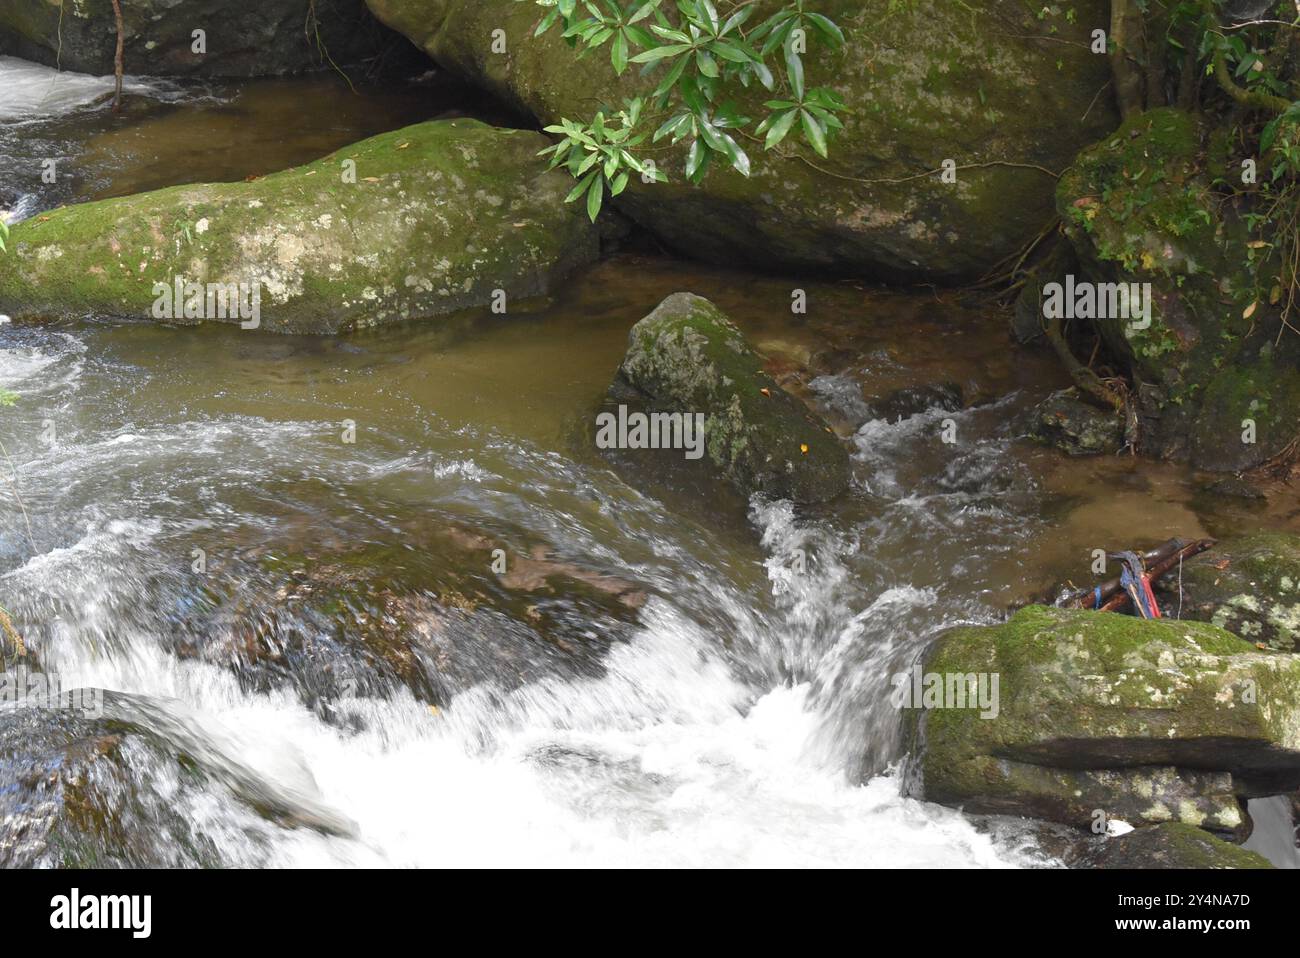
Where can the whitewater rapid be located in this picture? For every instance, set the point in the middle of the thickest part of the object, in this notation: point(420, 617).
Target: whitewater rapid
point(734, 739)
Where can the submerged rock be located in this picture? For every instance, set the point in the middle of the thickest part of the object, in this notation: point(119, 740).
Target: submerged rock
point(267, 38)
point(912, 400)
point(109, 780)
point(1065, 421)
point(72, 795)
point(437, 612)
point(688, 357)
point(438, 217)
point(1218, 385)
point(1146, 721)
point(1249, 586)
point(1008, 94)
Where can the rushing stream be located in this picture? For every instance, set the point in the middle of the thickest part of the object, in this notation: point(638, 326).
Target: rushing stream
point(277, 552)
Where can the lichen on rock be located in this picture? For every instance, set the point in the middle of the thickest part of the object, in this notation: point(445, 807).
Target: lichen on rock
point(925, 82)
point(688, 357)
point(1248, 585)
point(1153, 720)
point(437, 217)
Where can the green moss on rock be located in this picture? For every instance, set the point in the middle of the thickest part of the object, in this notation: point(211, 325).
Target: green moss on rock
point(1174, 845)
point(688, 357)
point(1217, 387)
point(1082, 692)
point(1065, 421)
point(926, 81)
point(1250, 586)
point(440, 216)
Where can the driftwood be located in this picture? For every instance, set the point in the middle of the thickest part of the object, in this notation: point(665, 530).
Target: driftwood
point(1158, 562)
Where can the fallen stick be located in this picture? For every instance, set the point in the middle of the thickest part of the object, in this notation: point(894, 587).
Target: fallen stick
point(1157, 562)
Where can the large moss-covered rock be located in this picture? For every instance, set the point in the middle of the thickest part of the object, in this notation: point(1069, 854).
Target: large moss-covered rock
point(441, 215)
point(1218, 385)
point(1008, 95)
point(688, 357)
point(267, 38)
point(1249, 585)
point(1094, 707)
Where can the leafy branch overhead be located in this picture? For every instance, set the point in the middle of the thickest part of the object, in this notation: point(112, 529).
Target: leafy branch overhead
point(702, 54)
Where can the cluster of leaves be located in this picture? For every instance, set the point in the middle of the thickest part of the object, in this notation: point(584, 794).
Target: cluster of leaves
point(703, 54)
point(4, 235)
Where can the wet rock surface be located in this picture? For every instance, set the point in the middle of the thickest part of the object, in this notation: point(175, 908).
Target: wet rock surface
point(1173, 845)
point(688, 358)
point(933, 82)
point(1248, 585)
point(420, 222)
point(1087, 700)
point(1064, 421)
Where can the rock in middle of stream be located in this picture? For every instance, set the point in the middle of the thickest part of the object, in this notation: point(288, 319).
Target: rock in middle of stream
point(420, 222)
point(688, 359)
point(1099, 716)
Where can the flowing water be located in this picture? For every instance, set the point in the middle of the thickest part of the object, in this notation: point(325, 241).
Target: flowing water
point(277, 553)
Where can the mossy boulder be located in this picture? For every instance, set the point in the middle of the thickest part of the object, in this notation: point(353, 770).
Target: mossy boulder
point(1140, 719)
point(1216, 384)
point(688, 357)
point(1175, 845)
point(1065, 421)
point(437, 217)
point(267, 38)
point(1009, 92)
point(1249, 585)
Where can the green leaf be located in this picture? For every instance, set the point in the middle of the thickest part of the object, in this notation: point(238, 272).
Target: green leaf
point(671, 79)
point(672, 36)
point(814, 132)
point(827, 28)
point(645, 11)
point(780, 127)
point(729, 51)
point(696, 159)
point(582, 187)
point(595, 197)
point(618, 53)
point(548, 21)
point(739, 158)
point(660, 53)
point(794, 69)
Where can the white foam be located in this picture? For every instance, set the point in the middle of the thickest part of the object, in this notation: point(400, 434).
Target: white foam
point(30, 90)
